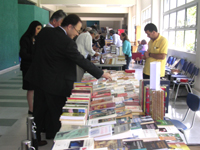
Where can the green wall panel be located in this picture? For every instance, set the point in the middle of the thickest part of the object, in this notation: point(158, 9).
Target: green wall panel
point(41, 15)
point(14, 21)
point(8, 34)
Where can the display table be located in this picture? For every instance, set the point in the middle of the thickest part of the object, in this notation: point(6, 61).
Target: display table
point(109, 65)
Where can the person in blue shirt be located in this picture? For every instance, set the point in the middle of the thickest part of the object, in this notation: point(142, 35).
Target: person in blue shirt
point(126, 47)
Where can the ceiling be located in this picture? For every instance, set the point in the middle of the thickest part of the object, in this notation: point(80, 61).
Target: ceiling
point(115, 10)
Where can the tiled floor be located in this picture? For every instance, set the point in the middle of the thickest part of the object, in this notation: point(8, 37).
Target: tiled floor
point(14, 113)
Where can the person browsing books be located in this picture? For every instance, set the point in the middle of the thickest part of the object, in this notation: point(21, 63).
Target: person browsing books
point(53, 71)
point(157, 50)
point(126, 48)
point(26, 53)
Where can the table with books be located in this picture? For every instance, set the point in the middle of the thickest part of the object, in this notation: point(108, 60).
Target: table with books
point(107, 115)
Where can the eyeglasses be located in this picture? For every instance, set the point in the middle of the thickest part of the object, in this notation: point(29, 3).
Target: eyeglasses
point(77, 30)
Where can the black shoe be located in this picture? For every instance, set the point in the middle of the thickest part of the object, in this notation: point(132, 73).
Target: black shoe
point(42, 143)
point(30, 113)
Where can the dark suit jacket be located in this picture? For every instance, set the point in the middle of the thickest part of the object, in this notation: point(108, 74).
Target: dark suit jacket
point(54, 65)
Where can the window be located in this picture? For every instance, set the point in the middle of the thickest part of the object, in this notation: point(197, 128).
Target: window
point(180, 24)
point(146, 18)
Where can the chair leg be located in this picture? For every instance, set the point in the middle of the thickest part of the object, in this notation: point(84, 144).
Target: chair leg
point(176, 94)
point(172, 91)
point(186, 114)
point(190, 88)
point(186, 88)
point(183, 132)
point(193, 120)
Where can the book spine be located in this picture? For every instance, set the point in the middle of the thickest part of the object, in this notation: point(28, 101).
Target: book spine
point(109, 105)
point(147, 112)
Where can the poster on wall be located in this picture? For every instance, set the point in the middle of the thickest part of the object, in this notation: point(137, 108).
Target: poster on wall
point(93, 24)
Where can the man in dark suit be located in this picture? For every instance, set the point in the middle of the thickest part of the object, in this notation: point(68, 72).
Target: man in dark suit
point(53, 71)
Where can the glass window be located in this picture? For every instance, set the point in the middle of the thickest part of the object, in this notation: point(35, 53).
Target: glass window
point(166, 22)
point(180, 18)
point(179, 39)
point(166, 5)
point(189, 1)
point(172, 20)
point(172, 4)
point(171, 39)
point(181, 2)
point(165, 34)
point(191, 16)
point(190, 40)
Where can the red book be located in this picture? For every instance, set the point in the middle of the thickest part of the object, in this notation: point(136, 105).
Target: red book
point(101, 92)
point(122, 95)
point(74, 99)
point(98, 107)
point(101, 95)
point(131, 103)
point(81, 91)
point(165, 96)
point(147, 112)
point(129, 71)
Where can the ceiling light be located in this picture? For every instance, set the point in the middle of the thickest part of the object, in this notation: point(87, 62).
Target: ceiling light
point(92, 5)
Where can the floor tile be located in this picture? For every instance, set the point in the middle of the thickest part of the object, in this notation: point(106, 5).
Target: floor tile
point(12, 97)
point(13, 104)
point(11, 83)
point(7, 122)
point(9, 88)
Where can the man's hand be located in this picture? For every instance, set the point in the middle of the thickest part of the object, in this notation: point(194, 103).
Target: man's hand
point(146, 54)
point(96, 54)
point(107, 76)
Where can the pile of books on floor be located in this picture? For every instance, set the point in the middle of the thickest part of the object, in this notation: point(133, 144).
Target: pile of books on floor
point(107, 115)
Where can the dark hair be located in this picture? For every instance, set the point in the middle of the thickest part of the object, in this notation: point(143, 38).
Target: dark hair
point(112, 31)
point(143, 42)
point(125, 37)
point(30, 32)
point(151, 27)
point(72, 19)
point(59, 14)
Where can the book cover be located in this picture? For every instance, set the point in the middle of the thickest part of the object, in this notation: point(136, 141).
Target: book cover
point(78, 144)
point(123, 120)
point(104, 113)
point(78, 99)
point(167, 129)
point(94, 112)
point(108, 105)
point(110, 144)
point(171, 137)
point(135, 145)
point(101, 95)
point(77, 133)
point(156, 145)
point(99, 122)
point(100, 131)
point(120, 129)
point(106, 98)
point(164, 123)
point(150, 126)
point(178, 146)
point(134, 126)
point(101, 92)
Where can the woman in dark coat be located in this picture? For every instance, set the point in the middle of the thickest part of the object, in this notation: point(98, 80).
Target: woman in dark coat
point(26, 53)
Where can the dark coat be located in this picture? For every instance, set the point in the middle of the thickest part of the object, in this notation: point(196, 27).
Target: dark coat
point(54, 65)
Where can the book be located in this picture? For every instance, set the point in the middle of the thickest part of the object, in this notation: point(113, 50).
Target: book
point(142, 119)
point(123, 120)
point(164, 123)
point(167, 129)
point(77, 133)
point(106, 98)
point(110, 145)
point(120, 128)
point(178, 146)
point(101, 122)
point(73, 116)
point(135, 126)
point(101, 131)
point(105, 113)
point(74, 144)
point(150, 126)
point(135, 145)
point(171, 137)
point(103, 106)
point(156, 145)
